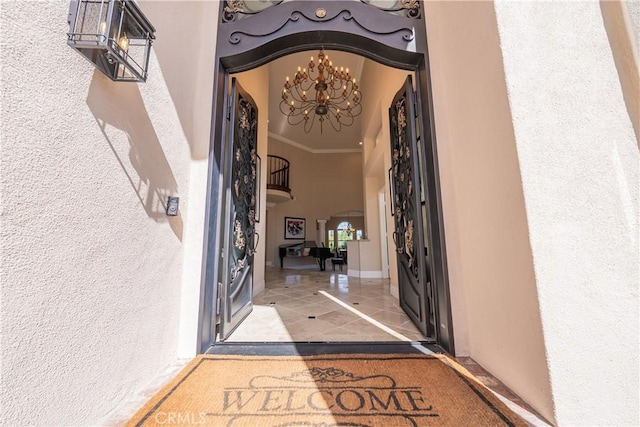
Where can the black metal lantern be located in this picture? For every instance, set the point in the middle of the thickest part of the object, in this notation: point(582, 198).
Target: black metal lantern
point(114, 35)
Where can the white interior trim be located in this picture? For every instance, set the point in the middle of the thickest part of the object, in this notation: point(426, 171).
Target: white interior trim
point(365, 274)
point(313, 150)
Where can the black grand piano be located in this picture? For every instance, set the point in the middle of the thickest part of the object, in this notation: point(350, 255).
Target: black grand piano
point(321, 254)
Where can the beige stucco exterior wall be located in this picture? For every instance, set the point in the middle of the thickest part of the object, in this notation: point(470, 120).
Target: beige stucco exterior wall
point(493, 286)
point(92, 269)
point(186, 65)
point(322, 184)
point(579, 161)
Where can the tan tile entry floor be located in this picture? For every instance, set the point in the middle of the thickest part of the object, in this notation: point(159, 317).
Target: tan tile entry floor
point(301, 305)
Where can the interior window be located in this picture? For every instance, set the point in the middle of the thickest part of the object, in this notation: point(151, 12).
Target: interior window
point(345, 232)
point(331, 240)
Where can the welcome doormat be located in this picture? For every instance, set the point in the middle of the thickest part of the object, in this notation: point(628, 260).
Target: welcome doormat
point(355, 390)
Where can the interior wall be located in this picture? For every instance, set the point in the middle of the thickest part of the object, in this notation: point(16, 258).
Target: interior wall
point(377, 155)
point(256, 83)
point(322, 184)
point(91, 265)
point(580, 165)
point(492, 280)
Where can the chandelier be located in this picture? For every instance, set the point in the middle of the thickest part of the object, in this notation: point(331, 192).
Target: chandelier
point(333, 95)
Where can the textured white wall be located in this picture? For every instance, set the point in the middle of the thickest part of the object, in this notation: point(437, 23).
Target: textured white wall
point(91, 266)
point(186, 61)
point(493, 288)
point(579, 163)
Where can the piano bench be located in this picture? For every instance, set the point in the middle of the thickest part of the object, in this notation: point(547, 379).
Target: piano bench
point(337, 261)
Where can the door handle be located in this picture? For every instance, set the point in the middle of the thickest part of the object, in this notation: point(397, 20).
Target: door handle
point(256, 240)
point(396, 241)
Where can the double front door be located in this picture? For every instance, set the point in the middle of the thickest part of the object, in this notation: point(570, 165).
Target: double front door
point(409, 202)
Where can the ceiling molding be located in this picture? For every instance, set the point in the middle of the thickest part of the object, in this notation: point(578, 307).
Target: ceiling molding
point(313, 150)
point(346, 214)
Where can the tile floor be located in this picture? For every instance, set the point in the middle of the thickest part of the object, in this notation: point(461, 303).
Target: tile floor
point(305, 304)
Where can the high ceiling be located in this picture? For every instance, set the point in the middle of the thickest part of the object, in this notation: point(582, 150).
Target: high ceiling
point(348, 138)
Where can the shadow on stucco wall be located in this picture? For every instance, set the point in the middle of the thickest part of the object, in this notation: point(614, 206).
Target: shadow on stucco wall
point(623, 42)
point(123, 119)
point(185, 48)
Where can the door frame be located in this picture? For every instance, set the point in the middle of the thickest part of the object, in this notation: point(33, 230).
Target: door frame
point(383, 230)
point(356, 27)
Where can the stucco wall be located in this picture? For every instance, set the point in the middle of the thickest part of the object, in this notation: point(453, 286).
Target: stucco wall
point(91, 265)
point(493, 285)
point(186, 63)
point(579, 161)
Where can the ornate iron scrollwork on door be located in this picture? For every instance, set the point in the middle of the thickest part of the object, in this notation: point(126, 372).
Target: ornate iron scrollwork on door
point(404, 187)
point(410, 8)
point(244, 186)
point(238, 9)
point(235, 10)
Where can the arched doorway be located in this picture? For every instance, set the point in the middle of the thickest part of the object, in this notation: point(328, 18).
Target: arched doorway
point(394, 36)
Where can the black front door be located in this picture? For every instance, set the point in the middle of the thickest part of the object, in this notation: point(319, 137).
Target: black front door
point(409, 211)
point(240, 238)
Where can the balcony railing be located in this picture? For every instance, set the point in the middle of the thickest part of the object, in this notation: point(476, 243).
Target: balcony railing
point(278, 173)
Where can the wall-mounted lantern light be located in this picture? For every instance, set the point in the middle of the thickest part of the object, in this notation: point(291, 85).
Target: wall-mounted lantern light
point(114, 35)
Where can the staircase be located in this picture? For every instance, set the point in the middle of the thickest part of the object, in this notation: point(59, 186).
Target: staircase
point(278, 190)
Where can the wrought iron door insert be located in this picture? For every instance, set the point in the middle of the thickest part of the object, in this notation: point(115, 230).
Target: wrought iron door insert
point(414, 279)
point(241, 236)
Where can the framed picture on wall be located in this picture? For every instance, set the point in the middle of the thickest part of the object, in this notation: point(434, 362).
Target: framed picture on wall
point(294, 228)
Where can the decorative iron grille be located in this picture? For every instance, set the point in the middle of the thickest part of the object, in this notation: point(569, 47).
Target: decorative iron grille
point(235, 10)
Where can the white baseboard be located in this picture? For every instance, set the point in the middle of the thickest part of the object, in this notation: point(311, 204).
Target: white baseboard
point(371, 274)
point(258, 287)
